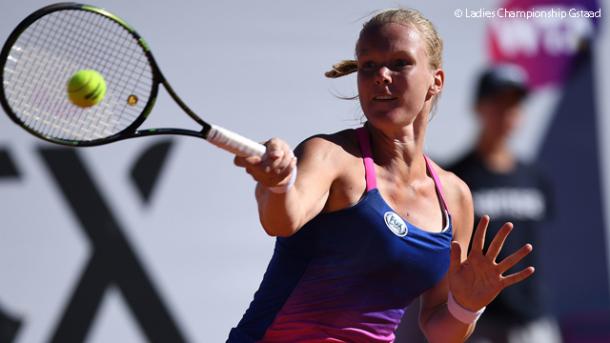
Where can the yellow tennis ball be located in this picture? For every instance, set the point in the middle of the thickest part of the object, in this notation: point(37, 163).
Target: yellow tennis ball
point(86, 88)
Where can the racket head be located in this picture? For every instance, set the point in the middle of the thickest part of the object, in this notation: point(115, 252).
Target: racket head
point(53, 43)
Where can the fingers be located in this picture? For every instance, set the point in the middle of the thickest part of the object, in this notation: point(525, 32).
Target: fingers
point(244, 161)
point(279, 159)
point(479, 235)
point(276, 154)
point(514, 258)
point(274, 167)
point(283, 170)
point(498, 241)
point(517, 277)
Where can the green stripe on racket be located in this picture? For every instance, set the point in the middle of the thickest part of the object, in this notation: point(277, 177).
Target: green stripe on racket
point(53, 44)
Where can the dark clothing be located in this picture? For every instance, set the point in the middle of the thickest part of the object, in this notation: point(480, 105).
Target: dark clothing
point(520, 196)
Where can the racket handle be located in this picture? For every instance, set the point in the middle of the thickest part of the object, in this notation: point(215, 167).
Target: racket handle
point(233, 142)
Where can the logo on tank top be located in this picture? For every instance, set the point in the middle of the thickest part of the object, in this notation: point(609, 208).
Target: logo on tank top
point(395, 224)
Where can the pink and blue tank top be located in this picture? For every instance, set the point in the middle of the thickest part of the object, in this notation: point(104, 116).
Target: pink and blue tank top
point(348, 275)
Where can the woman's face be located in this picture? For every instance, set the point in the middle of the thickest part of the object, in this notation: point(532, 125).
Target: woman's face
point(395, 80)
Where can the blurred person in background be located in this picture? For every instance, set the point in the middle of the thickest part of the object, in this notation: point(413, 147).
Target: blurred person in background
point(508, 189)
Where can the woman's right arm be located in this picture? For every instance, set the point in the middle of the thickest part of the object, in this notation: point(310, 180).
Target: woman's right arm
point(283, 214)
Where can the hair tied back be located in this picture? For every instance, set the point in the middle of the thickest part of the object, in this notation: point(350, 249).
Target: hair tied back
point(342, 68)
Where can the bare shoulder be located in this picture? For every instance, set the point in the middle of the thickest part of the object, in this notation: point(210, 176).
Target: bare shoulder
point(326, 146)
point(456, 190)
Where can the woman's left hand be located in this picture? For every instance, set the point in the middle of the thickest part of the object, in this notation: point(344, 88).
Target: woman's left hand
point(476, 281)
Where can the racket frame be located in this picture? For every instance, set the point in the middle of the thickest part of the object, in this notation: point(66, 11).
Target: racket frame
point(131, 130)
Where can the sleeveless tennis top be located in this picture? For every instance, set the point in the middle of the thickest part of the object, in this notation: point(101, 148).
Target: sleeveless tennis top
point(348, 275)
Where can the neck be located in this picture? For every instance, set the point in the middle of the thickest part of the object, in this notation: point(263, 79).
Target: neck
point(401, 150)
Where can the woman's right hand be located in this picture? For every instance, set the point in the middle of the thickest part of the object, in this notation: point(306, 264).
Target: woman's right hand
point(272, 169)
point(283, 212)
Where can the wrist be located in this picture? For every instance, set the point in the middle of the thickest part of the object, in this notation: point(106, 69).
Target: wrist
point(460, 313)
point(285, 187)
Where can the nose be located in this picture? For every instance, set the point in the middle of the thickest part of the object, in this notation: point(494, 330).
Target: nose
point(383, 77)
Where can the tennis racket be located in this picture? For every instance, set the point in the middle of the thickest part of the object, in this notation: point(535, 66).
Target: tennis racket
point(53, 43)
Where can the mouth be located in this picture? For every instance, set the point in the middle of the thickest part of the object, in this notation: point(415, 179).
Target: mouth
point(384, 98)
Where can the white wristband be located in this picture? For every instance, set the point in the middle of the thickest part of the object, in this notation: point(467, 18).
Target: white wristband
point(463, 315)
point(286, 187)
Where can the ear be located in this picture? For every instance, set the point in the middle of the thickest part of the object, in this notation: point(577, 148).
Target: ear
point(438, 80)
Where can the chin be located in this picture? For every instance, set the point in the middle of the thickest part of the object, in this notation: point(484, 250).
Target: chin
point(392, 118)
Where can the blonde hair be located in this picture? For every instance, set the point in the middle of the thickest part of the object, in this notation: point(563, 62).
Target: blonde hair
point(403, 16)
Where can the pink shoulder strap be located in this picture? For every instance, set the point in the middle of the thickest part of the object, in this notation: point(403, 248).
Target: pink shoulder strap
point(367, 157)
point(437, 182)
point(369, 166)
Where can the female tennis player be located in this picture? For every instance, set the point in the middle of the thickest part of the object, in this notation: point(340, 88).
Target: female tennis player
point(365, 221)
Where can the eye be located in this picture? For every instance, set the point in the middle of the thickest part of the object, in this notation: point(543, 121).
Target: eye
point(399, 64)
point(367, 66)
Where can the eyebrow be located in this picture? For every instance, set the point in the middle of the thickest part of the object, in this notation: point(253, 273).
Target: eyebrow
point(408, 53)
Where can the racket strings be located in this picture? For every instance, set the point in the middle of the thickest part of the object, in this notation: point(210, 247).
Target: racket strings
point(40, 119)
point(38, 122)
point(51, 50)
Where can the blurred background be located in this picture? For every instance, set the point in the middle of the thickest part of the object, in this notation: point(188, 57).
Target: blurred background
point(158, 239)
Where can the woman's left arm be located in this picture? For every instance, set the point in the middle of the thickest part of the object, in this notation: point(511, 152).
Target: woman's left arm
point(474, 279)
